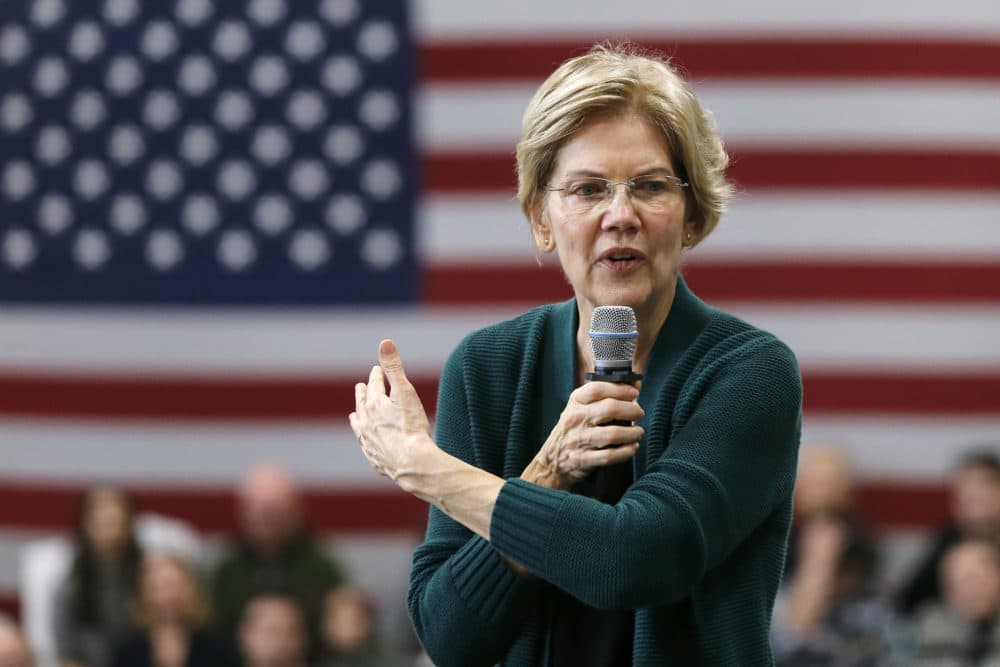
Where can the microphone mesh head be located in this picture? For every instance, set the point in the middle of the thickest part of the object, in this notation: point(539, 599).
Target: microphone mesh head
point(613, 336)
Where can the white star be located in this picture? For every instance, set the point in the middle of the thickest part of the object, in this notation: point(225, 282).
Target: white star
point(381, 248)
point(128, 214)
point(200, 214)
point(309, 249)
point(91, 249)
point(236, 250)
point(164, 249)
point(19, 249)
point(345, 213)
point(377, 40)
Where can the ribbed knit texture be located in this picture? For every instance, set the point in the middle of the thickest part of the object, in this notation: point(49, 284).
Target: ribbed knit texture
point(697, 543)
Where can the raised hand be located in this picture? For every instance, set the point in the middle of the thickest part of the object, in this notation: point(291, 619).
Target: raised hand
point(392, 427)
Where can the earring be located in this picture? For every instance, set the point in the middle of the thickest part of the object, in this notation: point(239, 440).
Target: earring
point(687, 238)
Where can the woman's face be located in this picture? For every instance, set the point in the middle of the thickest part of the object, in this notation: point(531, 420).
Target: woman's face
point(167, 588)
point(619, 149)
point(107, 523)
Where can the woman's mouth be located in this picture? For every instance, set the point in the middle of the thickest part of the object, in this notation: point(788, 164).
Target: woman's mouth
point(621, 260)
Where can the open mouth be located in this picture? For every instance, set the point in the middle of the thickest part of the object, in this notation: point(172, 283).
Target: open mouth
point(621, 260)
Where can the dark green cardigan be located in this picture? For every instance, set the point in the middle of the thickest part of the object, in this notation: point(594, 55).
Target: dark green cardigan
point(696, 546)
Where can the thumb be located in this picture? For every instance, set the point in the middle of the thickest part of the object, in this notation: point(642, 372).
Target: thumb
point(392, 364)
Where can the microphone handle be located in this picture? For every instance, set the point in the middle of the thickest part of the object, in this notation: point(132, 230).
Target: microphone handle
point(608, 483)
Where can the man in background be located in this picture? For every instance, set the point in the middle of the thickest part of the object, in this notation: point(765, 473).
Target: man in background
point(275, 552)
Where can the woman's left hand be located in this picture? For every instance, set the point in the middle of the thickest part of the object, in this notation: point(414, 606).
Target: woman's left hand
point(393, 428)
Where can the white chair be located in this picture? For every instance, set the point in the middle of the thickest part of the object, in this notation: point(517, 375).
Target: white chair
point(45, 563)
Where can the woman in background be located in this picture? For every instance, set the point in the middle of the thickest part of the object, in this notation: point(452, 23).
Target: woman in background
point(171, 612)
point(92, 604)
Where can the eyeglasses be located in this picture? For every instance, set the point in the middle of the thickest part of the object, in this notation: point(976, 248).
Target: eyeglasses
point(587, 194)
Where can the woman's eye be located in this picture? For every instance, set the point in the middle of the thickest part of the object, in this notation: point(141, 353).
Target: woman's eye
point(587, 189)
point(651, 185)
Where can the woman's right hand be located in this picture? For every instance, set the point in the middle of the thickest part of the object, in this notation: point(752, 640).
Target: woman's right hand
point(584, 440)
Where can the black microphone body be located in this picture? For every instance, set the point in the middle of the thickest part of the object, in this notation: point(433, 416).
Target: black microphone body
point(613, 335)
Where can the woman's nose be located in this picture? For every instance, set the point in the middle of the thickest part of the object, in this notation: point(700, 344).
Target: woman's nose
point(620, 212)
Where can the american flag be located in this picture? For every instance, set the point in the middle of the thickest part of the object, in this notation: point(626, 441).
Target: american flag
point(212, 212)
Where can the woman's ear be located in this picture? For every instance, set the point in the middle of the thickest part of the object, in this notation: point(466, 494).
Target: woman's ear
point(542, 233)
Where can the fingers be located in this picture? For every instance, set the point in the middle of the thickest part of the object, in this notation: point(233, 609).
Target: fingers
point(597, 437)
point(596, 391)
point(391, 363)
point(609, 410)
point(596, 458)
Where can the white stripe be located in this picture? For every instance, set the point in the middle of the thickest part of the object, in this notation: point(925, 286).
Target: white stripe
point(463, 229)
point(868, 113)
point(461, 20)
point(322, 457)
point(907, 449)
point(178, 455)
point(837, 335)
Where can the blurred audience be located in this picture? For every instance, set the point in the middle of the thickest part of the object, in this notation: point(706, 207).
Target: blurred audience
point(273, 632)
point(275, 552)
point(172, 614)
point(14, 651)
point(92, 604)
point(963, 630)
point(828, 610)
point(975, 511)
point(349, 638)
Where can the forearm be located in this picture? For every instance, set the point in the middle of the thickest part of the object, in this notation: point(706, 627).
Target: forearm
point(462, 491)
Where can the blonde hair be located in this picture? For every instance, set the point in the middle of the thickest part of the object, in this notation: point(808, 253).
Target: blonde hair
point(197, 612)
point(614, 80)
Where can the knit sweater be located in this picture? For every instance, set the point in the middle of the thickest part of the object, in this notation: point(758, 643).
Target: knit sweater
point(695, 546)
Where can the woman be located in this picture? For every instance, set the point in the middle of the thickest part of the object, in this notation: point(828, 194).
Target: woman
point(172, 613)
point(619, 170)
point(92, 605)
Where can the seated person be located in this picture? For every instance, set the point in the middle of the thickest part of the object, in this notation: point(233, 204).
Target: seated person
point(273, 632)
point(975, 512)
point(964, 629)
point(172, 613)
point(828, 613)
point(348, 631)
point(92, 614)
point(275, 552)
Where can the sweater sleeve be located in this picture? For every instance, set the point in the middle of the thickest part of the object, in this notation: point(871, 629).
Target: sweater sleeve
point(465, 602)
point(728, 467)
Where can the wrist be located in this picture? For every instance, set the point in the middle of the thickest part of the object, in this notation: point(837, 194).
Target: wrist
point(542, 475)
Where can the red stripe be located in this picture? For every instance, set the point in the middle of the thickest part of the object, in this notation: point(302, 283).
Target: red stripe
point(344, 510)
point(888, 504)
point(734, 280)
point(96, 397)
point(773, 57)
point(447, 172)
point(11, 605)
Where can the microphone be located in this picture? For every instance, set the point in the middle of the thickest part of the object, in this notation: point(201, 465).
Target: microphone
point(613, 337)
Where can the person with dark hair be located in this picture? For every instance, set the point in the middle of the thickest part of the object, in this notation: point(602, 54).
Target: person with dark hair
point(272, 632)
point(348, 631)
point(963, 630)
point(975, 513)
point(92, 603)
point(578, 522)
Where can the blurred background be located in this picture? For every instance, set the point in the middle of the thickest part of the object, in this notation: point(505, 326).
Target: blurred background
point(211, 212)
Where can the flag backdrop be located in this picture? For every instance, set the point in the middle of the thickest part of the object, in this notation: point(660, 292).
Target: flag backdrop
point(210, 214)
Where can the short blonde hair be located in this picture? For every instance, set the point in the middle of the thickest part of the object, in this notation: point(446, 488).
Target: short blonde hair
point(614, 80)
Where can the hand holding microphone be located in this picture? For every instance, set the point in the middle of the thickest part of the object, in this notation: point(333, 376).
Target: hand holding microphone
point(596, 429)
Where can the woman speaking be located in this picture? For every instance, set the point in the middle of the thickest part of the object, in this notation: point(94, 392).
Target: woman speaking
point(526, 561)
